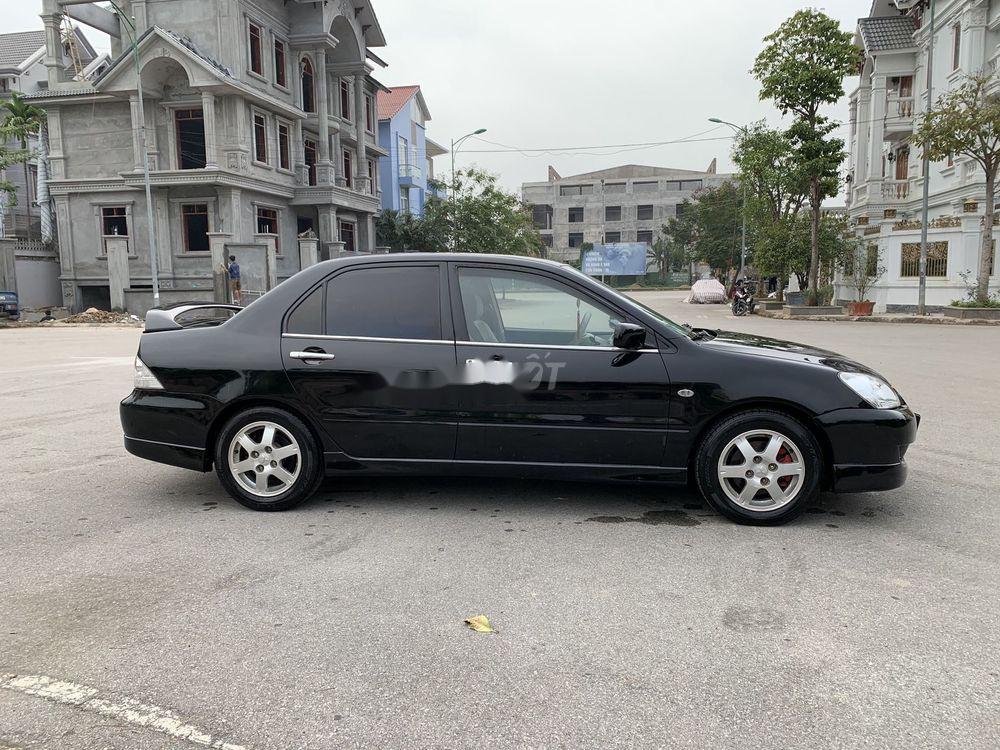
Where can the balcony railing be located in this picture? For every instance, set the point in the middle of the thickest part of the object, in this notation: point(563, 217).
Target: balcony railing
point(895, 190)
point(409, 170)
point(898, 112)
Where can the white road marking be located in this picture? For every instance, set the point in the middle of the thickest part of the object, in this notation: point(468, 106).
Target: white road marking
point(121, 708)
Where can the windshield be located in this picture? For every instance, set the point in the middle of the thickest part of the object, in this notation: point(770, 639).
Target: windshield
point(629, 302)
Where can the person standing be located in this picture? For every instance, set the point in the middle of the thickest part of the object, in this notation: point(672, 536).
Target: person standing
point(233, 273)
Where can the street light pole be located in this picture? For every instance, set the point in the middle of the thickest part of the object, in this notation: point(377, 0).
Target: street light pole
point(454, 146)
point(129, 27)
point(743, 190)
point(925, 207)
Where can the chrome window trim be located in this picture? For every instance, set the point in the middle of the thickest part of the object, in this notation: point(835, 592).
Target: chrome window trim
point(557, 347)
point(374, 339)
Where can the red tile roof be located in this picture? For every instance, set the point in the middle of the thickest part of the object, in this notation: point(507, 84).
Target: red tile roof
point(393, 100)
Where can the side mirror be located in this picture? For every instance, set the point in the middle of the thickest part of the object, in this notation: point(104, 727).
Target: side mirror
point(629, 336)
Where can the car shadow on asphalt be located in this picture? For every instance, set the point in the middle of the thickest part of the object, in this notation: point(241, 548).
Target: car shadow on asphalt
point(532, 499)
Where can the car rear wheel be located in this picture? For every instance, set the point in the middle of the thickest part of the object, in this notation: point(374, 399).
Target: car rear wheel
point(759, 467)
point(267, 459)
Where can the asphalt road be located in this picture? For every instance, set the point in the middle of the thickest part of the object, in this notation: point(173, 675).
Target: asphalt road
point(139, 605)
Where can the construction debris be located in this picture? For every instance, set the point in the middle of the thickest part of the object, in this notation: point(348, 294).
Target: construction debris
point(93, 315)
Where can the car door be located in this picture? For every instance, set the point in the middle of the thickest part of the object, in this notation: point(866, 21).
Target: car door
point(542, 381)
point(370, 352)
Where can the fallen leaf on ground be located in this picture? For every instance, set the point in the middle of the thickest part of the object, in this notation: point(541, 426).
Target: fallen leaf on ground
point(480, 623)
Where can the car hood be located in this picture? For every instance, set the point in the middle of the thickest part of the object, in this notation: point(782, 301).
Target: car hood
point(762, 346)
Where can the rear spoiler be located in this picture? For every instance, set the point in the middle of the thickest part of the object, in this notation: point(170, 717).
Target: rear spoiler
point(166, 318)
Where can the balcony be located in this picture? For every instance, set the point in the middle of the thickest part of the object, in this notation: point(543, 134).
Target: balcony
point(898, 114)
point(895, 191)
point(409, 175)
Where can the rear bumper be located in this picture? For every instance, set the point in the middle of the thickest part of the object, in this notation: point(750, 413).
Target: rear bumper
point(868, 447)
point(168, 429)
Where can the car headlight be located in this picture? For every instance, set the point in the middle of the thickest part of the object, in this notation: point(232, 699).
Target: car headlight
point(874, 390)
point(144, 378)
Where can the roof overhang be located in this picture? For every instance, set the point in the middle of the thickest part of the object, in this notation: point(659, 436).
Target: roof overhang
point(434, 148)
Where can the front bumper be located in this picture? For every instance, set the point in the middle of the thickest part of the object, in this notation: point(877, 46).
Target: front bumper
point(868, 446)
point(168, 429)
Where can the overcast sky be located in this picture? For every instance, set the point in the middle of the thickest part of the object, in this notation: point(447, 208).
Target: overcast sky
point(567, 73)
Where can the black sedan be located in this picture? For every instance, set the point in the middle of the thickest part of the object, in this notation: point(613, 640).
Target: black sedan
point(499, 365)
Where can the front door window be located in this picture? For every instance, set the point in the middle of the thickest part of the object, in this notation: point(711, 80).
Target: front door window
point(520, 308)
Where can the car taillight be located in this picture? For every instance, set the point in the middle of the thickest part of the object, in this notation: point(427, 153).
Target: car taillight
point(144, 378)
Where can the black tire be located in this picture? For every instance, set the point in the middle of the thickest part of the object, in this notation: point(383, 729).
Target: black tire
point(718, 437)
point(308, 460)
point(739, 308)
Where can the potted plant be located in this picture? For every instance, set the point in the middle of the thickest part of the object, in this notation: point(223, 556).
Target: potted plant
point(864, 270)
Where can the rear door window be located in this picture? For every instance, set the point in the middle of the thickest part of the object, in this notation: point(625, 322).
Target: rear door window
point(308, 316)
point(399, 302)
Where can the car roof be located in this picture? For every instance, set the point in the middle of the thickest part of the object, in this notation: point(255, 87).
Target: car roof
point(526, 260)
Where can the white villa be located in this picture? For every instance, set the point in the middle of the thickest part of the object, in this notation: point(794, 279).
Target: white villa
point(885, 190)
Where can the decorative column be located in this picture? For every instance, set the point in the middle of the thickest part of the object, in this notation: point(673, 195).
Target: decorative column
point(974, 36)
point(231, 214)
point(361, 179)
point(300, 155)
point(324, 174)
point(877, 116)
point(211, 144)
point(340, 179)
point(53, 48)
point(118, 272)
point(864, 129)
point(138, 156)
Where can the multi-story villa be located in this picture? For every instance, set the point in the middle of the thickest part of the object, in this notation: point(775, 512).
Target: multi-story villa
point(407, 173)
point(886, 184)
point(622, 204)
point(260, 126)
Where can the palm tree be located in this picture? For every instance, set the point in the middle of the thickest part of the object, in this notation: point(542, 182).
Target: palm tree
point(22, 121)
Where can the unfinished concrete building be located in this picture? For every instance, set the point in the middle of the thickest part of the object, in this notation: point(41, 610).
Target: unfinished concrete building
point(622, 204)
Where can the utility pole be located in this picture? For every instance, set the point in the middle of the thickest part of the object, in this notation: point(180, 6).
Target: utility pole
point(743, 190)
point(922, 289)
point(129, 27)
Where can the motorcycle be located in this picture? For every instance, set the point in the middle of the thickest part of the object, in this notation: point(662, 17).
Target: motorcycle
point(743, 301)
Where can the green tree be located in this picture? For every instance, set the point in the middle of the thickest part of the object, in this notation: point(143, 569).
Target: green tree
point(802, 68)
point(966, 121)
point(708, 227)
point(785, 247)
point(483, 217)
point(777, 187)
point(21, 121)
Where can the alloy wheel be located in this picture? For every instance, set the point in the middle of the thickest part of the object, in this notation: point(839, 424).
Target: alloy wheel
point(761, 470)
point(265, 459)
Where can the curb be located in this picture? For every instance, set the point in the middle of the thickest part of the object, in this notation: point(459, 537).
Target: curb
point(911, 319)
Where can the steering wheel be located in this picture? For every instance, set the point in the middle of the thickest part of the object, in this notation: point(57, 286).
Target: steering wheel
point(581, 328)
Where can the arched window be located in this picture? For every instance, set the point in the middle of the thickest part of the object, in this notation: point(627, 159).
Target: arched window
point(308, 86)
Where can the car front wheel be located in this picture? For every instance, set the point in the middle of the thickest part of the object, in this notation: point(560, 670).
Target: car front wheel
point(267, 459)
point(759, 467)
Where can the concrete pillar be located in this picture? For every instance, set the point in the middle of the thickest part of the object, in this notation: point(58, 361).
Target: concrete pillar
point(270, 241)
point(211, 142)
point(118, 271)
point(877, 116)
point(361, 168)
point(231, 213)
point(220, 284)
point(8, 269)
point(328, 233)
point(308, 252)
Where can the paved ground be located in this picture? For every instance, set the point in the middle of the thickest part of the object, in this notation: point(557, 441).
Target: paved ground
point(872, 622)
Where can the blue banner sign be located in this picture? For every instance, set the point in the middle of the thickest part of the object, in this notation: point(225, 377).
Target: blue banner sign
point(616, 259)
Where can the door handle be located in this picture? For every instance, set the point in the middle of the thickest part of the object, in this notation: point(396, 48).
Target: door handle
point(312, 356)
